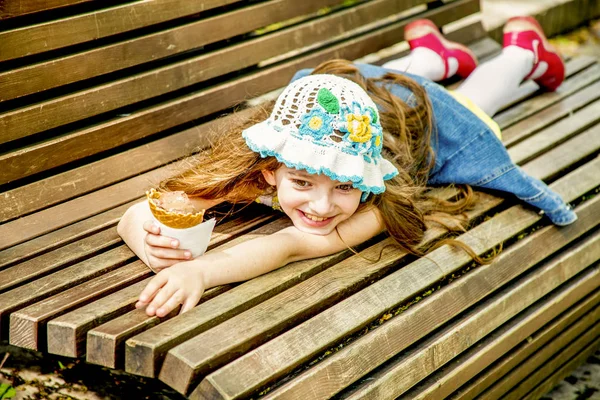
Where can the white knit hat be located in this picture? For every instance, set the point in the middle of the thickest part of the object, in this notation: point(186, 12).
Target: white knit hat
point(329, 125)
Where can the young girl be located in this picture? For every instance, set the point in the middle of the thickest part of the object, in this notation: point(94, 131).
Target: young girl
point(347, 152)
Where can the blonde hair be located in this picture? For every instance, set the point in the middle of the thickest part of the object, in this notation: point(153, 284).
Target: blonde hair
point(230, 171)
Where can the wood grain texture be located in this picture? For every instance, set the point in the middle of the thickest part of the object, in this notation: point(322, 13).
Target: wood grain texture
point(526, 367)
point(67, 333)
point(527, 108)
point(551, 116)
point(557, 133)
point(66, 278)
point(95, 25)
point(566, 154)
point(255, 326)
point(564, 371)
point(57, 259)
point(549, 364)
point(64, 186)
point(16, 8)
point(513, 341)
point(139, 50)
point(256, 368)
point(406, 371)
point(509, 361)
point(184, 109)
point(63, 236)
point(49, 114)
point(27, 326)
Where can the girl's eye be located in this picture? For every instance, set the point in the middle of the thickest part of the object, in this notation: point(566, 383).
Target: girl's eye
point(345, 188)
point(301, 183)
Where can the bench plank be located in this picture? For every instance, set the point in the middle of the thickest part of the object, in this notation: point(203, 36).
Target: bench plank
point(27, 326)
point(509, 361)
point(544, 363)
point(59, 258)
point(66, 278)
point(529, 107)
point(15, 8)
point(316, 335)
point(531, 147)
point(143, 123)
point(96, 62)
point(585, 324)
point(565, 369)
point(397, 377)
point(551, 116)
point(49, 114)
point(517, 333)
point(98, 24)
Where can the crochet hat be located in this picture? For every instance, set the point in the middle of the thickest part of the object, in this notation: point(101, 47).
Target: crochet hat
point(328, 125)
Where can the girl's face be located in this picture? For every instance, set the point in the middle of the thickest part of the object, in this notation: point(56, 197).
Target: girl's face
point(315, 203)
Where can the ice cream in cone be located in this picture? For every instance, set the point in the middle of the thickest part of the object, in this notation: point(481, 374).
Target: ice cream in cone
point(178, 219)
point(174, 209)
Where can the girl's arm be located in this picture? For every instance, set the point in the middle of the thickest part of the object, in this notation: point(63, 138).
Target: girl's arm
point(185, 282)
point(134, 229)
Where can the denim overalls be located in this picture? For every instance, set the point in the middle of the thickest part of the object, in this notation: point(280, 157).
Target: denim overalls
point(468, 152)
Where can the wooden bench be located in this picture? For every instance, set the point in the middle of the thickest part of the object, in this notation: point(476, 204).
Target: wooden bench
point(95, 102)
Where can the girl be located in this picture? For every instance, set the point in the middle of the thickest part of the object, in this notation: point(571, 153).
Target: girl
point(346, 151)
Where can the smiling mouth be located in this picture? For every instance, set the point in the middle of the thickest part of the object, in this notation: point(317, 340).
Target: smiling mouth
point(315, 220)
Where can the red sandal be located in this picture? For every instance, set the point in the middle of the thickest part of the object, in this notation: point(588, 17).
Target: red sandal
point(527, 33)
point(424, 33)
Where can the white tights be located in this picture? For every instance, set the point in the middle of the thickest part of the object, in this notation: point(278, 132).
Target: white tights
point(491, 85)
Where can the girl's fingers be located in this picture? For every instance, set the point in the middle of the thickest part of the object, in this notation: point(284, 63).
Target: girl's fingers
point(152, 288)
point(164, 294)
point(168, 254)
point(173, 302)
point(161, 241)
point(150, 227)
point(190, 302)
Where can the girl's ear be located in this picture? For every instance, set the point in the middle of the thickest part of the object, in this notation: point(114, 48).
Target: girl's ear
point(269, 177)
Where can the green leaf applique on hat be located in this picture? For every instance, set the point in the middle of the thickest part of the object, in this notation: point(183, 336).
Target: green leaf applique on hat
point(328, 101)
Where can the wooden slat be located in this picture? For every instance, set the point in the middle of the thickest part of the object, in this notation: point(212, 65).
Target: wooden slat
point(15, 8)
point(527, 108)
point(520, 372)
point(557, 133)
point(184, 109)
point(66, 278)
point(66, 334)
point(151, 47)
point(142, 351)
point(514, 337)
point(62, 237)
point(145, 352)
point(27, 326)
point(49, 114)
point(313, 337)
point(397, 377)
point(568, 153)
point(548, 363)
point(57, 259)
point(551, 116)
point(64, 32)
point(565, 369)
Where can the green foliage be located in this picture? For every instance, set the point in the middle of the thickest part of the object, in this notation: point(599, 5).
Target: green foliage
point(7, 391)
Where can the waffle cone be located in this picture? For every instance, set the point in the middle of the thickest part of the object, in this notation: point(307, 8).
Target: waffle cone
point(172, 219)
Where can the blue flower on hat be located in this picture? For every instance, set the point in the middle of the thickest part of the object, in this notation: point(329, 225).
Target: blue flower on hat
point(316, 123)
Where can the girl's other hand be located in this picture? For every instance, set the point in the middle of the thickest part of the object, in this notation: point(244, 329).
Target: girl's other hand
point(161, 251)
point(183, 283)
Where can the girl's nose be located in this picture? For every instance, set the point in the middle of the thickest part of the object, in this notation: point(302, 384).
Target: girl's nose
point(321, 205)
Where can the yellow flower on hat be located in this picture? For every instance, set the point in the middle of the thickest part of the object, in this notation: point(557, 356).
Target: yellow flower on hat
point(359, 127)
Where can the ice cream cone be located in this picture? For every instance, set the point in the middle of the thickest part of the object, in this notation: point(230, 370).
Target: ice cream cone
point(177, 219)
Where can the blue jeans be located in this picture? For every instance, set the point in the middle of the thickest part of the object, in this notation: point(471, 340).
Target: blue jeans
point(468, 152)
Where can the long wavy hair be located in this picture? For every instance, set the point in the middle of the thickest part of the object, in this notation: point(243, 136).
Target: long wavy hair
point(230, 171)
